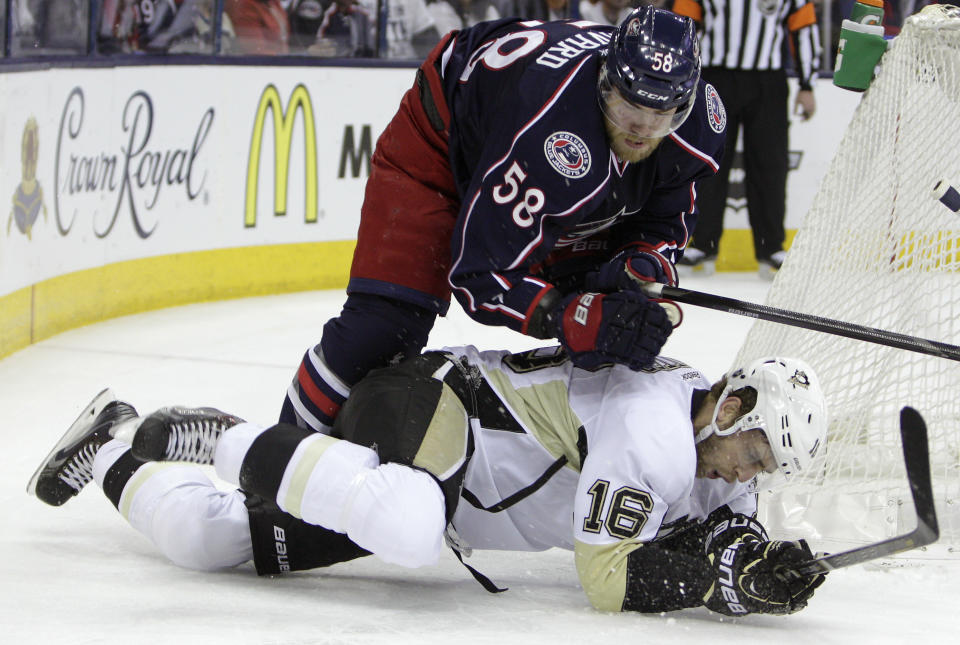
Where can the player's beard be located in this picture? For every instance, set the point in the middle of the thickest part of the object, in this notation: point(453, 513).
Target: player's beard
point(629, 147)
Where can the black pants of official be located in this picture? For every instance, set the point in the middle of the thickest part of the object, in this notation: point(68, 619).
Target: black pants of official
point(757, 101)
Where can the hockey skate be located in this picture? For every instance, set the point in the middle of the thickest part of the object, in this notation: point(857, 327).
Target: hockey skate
point(768, 267)
point(181, 434)
point(69, 466)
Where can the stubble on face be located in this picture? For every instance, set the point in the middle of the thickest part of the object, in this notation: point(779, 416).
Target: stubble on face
point(745, 454)
point(628, 147)
point(710, 460)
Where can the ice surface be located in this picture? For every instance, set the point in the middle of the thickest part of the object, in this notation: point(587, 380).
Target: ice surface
point(79, 574)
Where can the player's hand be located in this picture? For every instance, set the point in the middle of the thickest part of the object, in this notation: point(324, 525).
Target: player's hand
point(630, 268)
point(805, 105)
point(754, 576)
point(598, 329)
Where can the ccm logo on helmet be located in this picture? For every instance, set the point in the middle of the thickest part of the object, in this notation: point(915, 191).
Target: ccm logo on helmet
point(650, 95)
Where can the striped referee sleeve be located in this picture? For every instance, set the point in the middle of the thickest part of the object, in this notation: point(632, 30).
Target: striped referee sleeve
point(749, 34)
point(805, 41)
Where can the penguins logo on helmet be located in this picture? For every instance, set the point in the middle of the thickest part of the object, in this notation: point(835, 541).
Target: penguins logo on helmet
point(790, 410)
point(800, 379)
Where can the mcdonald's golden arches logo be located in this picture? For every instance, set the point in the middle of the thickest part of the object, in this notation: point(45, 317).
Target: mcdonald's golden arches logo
point(283, 121)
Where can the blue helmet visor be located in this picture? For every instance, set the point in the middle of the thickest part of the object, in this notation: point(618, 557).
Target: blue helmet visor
point(639, 120)
point(653, 64)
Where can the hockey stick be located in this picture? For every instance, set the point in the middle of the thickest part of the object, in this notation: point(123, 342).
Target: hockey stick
point(805, 321)
point(916, 458)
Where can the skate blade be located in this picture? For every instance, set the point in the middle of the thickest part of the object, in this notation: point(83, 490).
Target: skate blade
point(77, 429)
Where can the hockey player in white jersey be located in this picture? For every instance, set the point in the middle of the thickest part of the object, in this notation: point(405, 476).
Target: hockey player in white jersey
point(646, 476)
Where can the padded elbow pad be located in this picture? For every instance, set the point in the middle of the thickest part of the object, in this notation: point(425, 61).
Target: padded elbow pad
point(397, 513)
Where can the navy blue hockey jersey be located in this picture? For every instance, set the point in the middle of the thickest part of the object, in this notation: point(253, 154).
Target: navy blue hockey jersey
point(532, 162)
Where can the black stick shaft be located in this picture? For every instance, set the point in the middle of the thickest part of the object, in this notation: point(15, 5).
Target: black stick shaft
point(805, 321)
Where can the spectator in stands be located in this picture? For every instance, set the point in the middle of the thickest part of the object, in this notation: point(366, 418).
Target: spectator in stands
point(118, 32)
point(187, 28)
point(605, 12)
point(547, 9)
point(459, 14)
point(165, 26)
point(262, 27)
point(341, 28)
point(411, 31)
point(47, 26)
point(305, 17)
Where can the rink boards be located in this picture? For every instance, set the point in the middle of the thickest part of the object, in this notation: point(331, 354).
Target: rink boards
point(133, 188)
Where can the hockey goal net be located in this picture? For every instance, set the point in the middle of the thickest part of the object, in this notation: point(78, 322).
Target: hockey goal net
point(877, 248)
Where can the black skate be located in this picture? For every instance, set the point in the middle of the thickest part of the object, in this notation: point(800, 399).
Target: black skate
point(69, 466)
point(181, 434)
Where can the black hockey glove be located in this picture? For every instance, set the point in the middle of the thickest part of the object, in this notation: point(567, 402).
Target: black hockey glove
point(756, 576)
point(631, 268)
point(598, 329)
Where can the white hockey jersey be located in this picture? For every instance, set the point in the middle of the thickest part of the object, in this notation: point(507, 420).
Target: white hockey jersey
point(599, 462)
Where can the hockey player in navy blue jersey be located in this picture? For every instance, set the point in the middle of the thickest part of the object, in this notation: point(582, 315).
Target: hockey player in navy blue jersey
point(541, 172)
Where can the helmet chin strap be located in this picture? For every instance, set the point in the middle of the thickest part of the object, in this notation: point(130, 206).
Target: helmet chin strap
point(712, 427)
point(708, 430)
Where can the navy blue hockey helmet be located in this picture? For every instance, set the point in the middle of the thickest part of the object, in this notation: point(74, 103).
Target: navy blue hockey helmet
point(654, 61)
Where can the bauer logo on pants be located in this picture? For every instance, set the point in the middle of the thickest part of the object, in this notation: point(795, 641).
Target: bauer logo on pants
point(568, 154)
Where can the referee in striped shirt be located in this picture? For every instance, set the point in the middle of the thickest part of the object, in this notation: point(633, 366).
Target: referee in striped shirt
point(743, 46)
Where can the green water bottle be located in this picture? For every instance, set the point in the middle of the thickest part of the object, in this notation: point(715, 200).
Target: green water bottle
point(861, 46)
point(867, 12)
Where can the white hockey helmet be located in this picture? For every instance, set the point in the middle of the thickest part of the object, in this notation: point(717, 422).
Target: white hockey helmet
point(790, 410)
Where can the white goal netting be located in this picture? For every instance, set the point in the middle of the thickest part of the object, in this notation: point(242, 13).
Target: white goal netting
point(877, 248)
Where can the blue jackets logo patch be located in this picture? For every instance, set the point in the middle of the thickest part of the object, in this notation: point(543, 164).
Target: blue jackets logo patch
point(716, 113)
point(568, 154)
